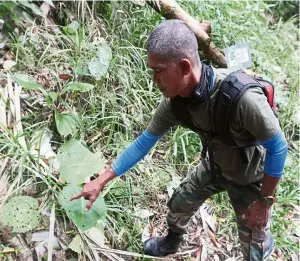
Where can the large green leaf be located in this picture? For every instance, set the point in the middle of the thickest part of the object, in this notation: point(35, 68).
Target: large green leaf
point(77, 163)
point(71, 28)
point(21, 213)
point(78, 86)
point(32, 6)
point(98, 66)
point(76, 208)
point(65, 123)
point(27, 82)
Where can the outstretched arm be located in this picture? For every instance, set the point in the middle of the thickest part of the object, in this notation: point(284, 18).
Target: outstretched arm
point(127, 159)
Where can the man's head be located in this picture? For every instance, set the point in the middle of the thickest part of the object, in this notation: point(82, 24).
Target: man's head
point(173, 56)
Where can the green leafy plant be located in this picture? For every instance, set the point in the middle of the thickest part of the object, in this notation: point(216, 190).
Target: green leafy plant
point(28, 83)
point(76, 209)
point(65, 123)
point(77, 163)
point(21, 213)
point(17, 13)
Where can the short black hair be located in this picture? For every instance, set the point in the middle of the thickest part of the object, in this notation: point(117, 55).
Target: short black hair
point(173, 40)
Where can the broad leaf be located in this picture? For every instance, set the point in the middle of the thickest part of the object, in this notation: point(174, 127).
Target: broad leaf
point(65, 123)
point(21, 213)
point(51, 97)
point(77, 163)
point(76, 208)
point(27, 82)
point(72, 28)
point(98, 66)
point(78, 86)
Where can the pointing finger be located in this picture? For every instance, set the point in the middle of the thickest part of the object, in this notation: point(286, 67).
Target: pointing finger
point(89, 204)
point(79, 195)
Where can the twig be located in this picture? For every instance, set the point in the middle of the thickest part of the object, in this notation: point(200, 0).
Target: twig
point(18, 127)
point(3, 100)
point(11, 97)
point(51, 232)
point(4, 178)
point(3, 167)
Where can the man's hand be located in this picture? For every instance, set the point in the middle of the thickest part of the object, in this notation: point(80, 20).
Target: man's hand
point(92, 189)
point(258, 215)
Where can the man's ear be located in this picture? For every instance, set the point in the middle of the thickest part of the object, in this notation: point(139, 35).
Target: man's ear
point(185, 66)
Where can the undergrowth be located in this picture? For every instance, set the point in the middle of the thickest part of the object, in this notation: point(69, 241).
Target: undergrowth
point(118, 109)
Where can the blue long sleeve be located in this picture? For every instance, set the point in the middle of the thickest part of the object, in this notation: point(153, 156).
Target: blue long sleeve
point(134, 152)
point(276, 154)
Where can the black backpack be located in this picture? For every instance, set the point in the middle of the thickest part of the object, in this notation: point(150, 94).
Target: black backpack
point(232, 89)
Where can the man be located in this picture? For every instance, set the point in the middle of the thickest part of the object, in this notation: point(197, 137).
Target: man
point(250, 180)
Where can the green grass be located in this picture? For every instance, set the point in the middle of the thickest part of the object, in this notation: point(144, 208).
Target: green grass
point(119, 108)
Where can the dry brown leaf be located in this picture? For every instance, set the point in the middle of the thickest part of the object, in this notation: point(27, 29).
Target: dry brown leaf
point(30, 189)
point(9, 55)
point(25, 252)
point(65, 76)
point(212, 238)
point(8, 250)
point(8, 64)
point(216, 257)
point(43, 80)
point(229, 247)
point(45, 8)
point(198, 231)
point(278, 253)
point(3, 81)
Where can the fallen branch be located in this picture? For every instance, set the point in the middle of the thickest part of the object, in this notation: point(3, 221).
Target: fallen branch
point(3, 101)
point(51, 232)
point(171, 10)
point(4, 171)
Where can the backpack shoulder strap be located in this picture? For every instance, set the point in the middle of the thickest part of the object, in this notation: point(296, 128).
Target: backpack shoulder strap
point(180, 110)
point(229, 93)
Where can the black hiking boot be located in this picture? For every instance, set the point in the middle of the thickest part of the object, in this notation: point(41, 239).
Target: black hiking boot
point(163, 246)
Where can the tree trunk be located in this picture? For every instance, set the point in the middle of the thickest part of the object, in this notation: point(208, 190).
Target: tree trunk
point(171, 10)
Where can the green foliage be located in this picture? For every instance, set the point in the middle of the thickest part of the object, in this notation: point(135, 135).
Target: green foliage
point(76, 209)
point(65, 123)
point(77, 163)
point(124, 98)
point(51, 97)
point(78, 86)
point(99, 64)
point(27, 82)
point(17, 13)
point(72, 28)
point(284, 10)
point(21, 213)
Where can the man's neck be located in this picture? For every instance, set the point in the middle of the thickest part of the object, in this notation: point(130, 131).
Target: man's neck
point(193, 81)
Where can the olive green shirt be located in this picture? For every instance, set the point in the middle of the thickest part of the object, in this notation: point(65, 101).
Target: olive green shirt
point(253, 120)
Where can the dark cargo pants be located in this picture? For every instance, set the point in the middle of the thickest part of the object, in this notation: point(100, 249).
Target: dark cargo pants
point(256, 244)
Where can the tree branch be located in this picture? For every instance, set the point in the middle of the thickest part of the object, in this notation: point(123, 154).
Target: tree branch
point(171, 10)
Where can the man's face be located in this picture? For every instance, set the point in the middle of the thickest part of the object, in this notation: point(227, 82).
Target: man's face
point(167, 75)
